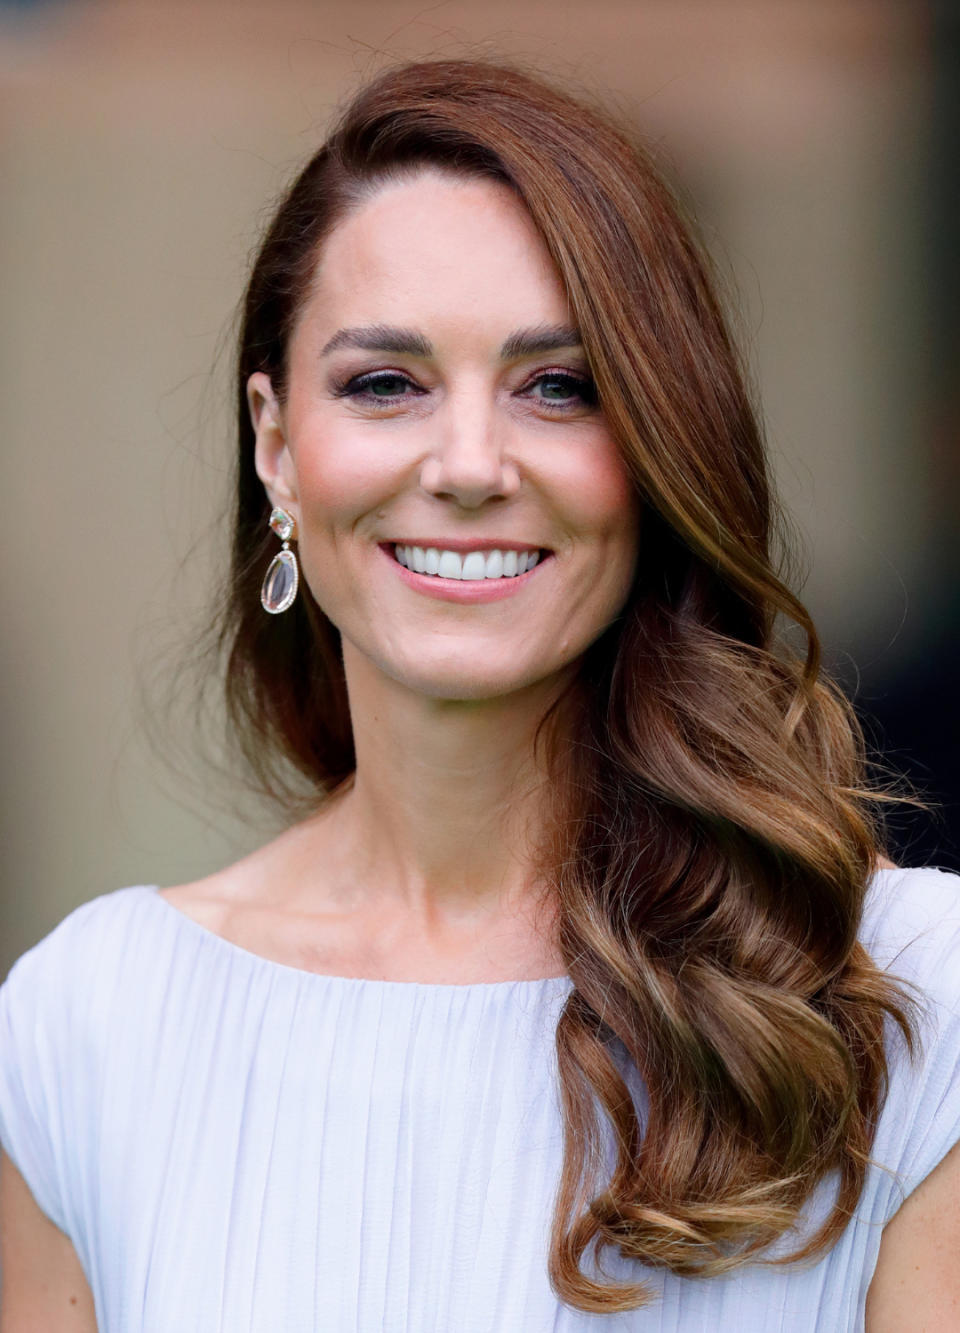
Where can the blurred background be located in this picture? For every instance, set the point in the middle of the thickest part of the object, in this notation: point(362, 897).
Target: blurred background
point(141, 145)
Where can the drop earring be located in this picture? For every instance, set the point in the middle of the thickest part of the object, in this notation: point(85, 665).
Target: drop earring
point(282, 578)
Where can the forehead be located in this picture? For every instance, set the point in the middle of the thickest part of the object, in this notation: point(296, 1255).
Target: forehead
point(438, 247)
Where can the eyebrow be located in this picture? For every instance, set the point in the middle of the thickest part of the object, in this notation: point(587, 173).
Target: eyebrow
point(408, 342)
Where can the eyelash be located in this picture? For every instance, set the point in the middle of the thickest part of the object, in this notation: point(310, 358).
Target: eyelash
point(358, 386)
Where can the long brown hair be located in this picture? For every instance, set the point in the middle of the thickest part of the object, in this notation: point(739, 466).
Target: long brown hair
point(711, 838)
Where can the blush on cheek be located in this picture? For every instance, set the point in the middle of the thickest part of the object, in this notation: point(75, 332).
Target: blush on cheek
point(609, 486)
point(330, 472)
point(591, 482)
point(610, 508)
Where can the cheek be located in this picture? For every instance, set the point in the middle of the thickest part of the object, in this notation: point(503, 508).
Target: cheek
point(602, 501)
point(337, 482)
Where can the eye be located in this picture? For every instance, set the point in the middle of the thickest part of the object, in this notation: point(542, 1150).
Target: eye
point(383, 386)
point(561, 390)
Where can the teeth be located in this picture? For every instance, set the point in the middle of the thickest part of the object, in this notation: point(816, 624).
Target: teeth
point(472, 567)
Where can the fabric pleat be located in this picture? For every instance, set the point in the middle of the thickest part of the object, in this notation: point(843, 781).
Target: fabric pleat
point(239, 1146)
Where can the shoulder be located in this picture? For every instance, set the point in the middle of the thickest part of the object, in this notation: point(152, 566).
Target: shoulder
point(55, 995)
point(50, 1053)
point(79, 944)
point(911, 929)
point(904, 901)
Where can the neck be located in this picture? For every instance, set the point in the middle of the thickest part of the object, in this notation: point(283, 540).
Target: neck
point(448, 797)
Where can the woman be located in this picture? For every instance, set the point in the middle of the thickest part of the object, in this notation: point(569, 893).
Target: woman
point(566, 1005)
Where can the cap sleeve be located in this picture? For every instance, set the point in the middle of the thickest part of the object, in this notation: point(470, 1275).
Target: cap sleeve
point(30, 1080)
point(916, 937)
point(53, 1034)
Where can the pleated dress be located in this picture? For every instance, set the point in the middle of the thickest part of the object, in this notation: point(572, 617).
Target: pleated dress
point(238, 1146)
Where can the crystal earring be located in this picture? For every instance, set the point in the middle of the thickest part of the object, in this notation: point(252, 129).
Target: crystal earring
point(282, 578)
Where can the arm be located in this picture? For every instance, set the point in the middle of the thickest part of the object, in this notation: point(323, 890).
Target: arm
point(43, 1284)
point(916, 1284)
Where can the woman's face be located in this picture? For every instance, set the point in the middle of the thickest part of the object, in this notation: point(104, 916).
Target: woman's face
point(438, 398)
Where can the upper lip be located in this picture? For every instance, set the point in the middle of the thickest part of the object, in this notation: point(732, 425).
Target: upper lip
point(463, 544)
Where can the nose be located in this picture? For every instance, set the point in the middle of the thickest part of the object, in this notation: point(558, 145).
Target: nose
point(470, 462)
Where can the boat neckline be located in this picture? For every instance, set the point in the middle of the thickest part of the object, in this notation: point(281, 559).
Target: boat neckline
point(229, 946)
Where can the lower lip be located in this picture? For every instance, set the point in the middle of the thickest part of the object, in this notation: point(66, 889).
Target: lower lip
point(463, 590)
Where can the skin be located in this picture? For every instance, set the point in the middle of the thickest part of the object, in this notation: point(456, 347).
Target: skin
point(417, 869)
point(916, 1284)
point(44, 1287)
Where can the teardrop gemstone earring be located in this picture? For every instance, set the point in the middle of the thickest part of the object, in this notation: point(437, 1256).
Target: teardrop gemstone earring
point(282, 578)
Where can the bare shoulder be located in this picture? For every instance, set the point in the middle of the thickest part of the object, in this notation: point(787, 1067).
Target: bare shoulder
point(279, 902)
point(44, 1285)
point(255, 883)
point(916, 1284)
point(206, 901)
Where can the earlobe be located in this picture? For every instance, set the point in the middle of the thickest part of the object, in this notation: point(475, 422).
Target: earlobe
point(271, 454)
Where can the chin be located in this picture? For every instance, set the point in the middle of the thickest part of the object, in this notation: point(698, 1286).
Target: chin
point(467, 684)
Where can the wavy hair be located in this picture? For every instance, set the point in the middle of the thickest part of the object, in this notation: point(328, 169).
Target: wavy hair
point(711, 837)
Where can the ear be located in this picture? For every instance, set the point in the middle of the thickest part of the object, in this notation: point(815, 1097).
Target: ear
point(272, 457)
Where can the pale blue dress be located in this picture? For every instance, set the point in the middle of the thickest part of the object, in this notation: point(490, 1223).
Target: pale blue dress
point(236, 1145)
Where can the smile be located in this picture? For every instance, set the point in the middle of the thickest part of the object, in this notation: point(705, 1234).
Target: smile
point(466, 583)
point(468, 566)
